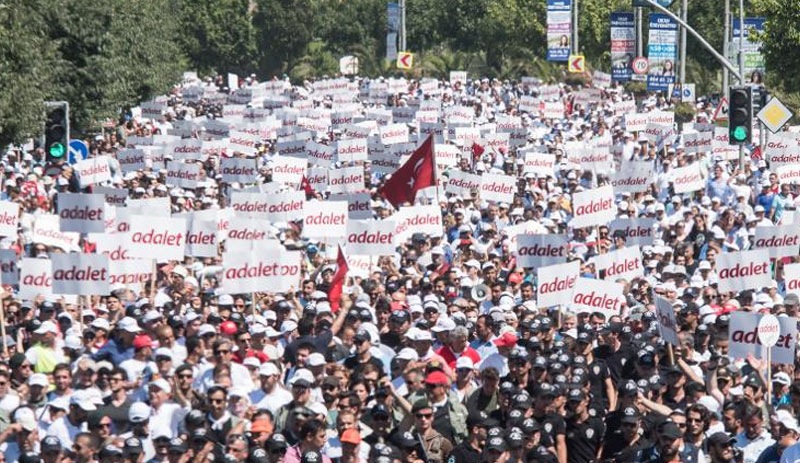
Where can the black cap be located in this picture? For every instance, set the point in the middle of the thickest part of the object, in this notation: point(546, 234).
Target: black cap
point(277, 441)
point(200, 435)
point(670, 430)
point(720, 438)
point(496, 443)
point(630, 415)
point(576, 395)
point(545, 390)
point(110, 451)
point(258, 455)
point(51, 443)
point(195, 418)
point(628, 388)
point(379, 410)
point(178, 445)
point(133, 446)
point(530, 426)
point(522, 401)
point(404, 440)
point(30, 457)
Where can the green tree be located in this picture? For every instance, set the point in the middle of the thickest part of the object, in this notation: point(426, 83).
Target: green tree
point(781, 40)
point(218, 35)
point(114, 54)
point(511, 28)
point(285, 28)
point(27, 66)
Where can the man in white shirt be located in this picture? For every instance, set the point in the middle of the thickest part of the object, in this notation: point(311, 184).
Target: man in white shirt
point(74, 422)
point(141, 361)
point(223, 353)
point(165, 415)
point(272, 395)
point(754, 439)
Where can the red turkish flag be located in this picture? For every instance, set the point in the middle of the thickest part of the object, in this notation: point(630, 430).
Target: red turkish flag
point(335, 290)
point(416, 174)
point(477, 151)
point(306, 186)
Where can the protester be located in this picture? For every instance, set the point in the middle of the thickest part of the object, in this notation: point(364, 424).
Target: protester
point(400, 270)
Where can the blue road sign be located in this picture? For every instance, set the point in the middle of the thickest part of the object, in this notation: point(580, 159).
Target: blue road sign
point(78, 151)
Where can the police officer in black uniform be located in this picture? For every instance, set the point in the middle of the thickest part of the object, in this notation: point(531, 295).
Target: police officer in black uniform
point(584, 432)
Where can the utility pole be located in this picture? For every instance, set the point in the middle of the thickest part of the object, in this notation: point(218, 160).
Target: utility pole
point(726, 37)
point(684, 14)
point(639, 38)
point(741, 70)
point(402, 25)
point(576, 49)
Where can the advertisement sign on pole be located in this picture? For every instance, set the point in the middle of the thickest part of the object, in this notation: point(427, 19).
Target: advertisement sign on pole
point(662, 51)
point(559, 29)
point(623, 45)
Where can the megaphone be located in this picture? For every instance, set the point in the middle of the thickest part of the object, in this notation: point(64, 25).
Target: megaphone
point(479, 292)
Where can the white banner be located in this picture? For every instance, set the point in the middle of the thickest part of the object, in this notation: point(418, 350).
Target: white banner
point(288, 170)
point(267, 268)
point(789, 173)
point(633, 177)
point(635, 122)
point(114, 247)
point(351, 150)
point(47, 231)
point(393, 133)
point(9, 218)
point(593, 207)
point(186, 149)
point(498, 188)
point(113, 196)
point(243, 142)
point(791, 278)
point(625, 263)
point(201, 237)
point(325, 220)
point(9, 271)
point(598, 296)
point(417, 219)
point(346, 180)
point(81, 213)
point(35, 278)
point(182, 175)
point(253, 205)
point(557, 283)
point(284, 206)
point(637, 231)
point(688, 179)
point(246, 229)
point(740, 271)
point(157, 237)
point(359, 205)
point(778, 241)
point(129, 273)
point(92, 171)
point(541, 250)
point(239, 170)
point(541, 164)
point(131, 160)
point(80, 274)
point(697, 142)
point(371, 237)
point(462, 183)
point(666, 321)
point(320, 155)
point(743, 338)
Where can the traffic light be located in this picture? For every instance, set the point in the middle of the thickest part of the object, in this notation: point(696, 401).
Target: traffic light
point(740, 114)
point(56, 130)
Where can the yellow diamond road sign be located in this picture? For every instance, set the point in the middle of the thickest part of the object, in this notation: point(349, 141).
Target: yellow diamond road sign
point(774, 114)
point(576, 63)
point(405, 60)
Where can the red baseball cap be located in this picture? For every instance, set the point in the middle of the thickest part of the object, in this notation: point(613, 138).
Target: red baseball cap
point(141, 341)
point(506, 340)
point(438, 378)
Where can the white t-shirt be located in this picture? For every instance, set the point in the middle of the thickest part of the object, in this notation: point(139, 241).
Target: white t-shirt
point(272, 401)
point(65, 431)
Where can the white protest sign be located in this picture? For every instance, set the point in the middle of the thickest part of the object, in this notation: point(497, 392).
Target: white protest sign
point(498, 188)
point(417, 219)
point(185, 149)
point(635, 122)
point(743, 339)
point(243, 142)
point(625, 263)
point(9, 218)
point(346, 180)
point(288, 170)
point(598, 296)
point(791, 278)
point(688, 179)
point(9, 271)
point(284, 206)
point(541, 164)
point(743, 270)
point(201, 237)
point(393, 133)
point(114, 247)
point(325, 219)
point(267, 267)
point(666, 321)
point(789, 173)
point(553, 110)
point(131, 160)
point(370, 237)
point(80, 274)
point(129, 273)
point(458, 76)
point(720, 147)
point(153, 237)
point(241, 170)
point(47, 231)
point(633, 177)
point(446, 155)
point(593, 207)
point(778, 241)
point(246, 229)
point(359, 205)
point(351, 150)
point(113, 196)
point(697, 142)
point(81, 213)
point(35, 278)
point(253, 205)
point(182, 175)
point(462, 183)
point(541, 250)
point(769, 330)
point(637, 231)
point(92, 171)
point(319, 154)
point(557, 283)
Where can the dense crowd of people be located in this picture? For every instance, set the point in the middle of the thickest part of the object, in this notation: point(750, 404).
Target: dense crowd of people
point(439, 353)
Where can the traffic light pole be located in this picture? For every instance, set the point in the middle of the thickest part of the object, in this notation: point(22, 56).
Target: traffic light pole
point(741, 71)
point(724, 61)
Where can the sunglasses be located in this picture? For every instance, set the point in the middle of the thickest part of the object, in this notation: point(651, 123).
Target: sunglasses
point(424, 415)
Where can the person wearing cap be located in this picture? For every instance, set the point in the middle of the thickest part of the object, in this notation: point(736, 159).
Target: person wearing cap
point(120, 346)
point(21, 436)
point(600, 378)
point(496, 450)
point(142, 357)
point(363, 354)
point(553, 424)
point(623, 444)
point(469, 450)
point(435, 447)
point(669, 447)
point(74, 422)
point(271, 395)
point(584, 432)
point(43, 354)
point(222, 349)
point(449, 413)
